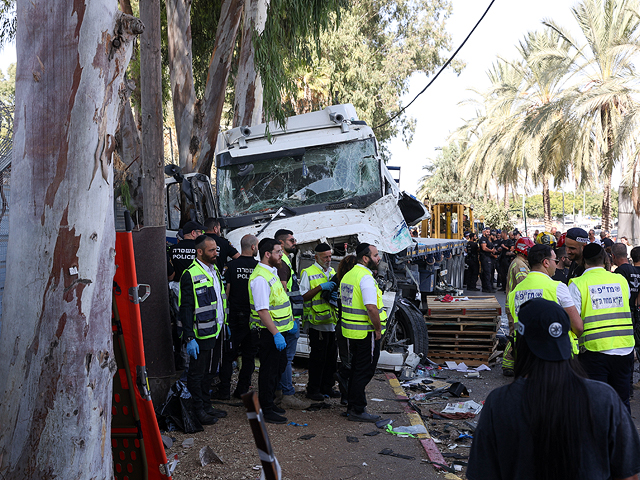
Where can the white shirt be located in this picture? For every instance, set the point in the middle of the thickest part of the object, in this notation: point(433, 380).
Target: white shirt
point(577, 299)
point(260, 289)
point(216, 288)
point(305, 286)
point(368, 288)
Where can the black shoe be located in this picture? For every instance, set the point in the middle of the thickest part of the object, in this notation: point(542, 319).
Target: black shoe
point(318, 397)
point(343, 400)
point(473, 289)
point(273, 417)
point(333, 393)
point(221, 396)
point(278, 410)
point(205, 418)
point(215, 412)
point(363, 417)
point(238, 395)
point(507, 372)
point(343, 383)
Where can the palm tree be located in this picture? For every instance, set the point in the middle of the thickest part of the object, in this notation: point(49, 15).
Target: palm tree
point(595, 122)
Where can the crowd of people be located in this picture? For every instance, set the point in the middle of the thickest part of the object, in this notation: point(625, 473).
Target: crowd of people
point(573, 323)
point(253, 304)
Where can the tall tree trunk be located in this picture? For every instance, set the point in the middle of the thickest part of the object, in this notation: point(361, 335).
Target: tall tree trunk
point(183, 91)
point(228, 24)
point(506, 196)
point(546, 203)
point(56, 357)
point(606, 201)
point(248, 99)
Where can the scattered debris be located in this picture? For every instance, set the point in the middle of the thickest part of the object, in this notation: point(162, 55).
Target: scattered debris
point(384, 422)
point(388, 451)
point(298, 424)
point(457, 389)
point(307, 437)
point(352, 439)
point(372, 434)
point(463, 407)
point(188, 442)
point(167, 441)
point(207, 456)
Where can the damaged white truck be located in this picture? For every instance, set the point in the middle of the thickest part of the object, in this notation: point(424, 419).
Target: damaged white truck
point(322, 177)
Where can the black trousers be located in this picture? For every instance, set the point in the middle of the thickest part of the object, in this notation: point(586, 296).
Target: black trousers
point(272, 365)
point(244, 342)
point(487, 272)
point(364, 359)
point(202, 371)
point(616, 370)
point(473, 271)
point(322, 361)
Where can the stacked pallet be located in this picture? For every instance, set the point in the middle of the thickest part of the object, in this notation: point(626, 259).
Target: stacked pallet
point(464, 331)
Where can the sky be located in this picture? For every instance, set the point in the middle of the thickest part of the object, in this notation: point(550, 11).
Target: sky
point(438, 111)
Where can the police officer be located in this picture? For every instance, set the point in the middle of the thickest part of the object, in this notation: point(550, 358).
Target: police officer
point(202, 314)
point(506, 255)
point(286, 391)
point(244, 341)
point(363, 323)
point(606, 345)
point(472, 263)
point(271, 314)
point(225, 249)
point(487, 252)
point(182, 254)
point(320, 321)
point(538, 283)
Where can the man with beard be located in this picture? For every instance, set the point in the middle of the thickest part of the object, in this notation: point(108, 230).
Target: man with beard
point(271, 314)
point(320, 319)
point(363, 323)
point(575, 241)
point(285, 393)
point(202, 314)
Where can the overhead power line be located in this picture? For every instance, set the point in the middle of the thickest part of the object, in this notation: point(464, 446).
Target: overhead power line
point(441, 69)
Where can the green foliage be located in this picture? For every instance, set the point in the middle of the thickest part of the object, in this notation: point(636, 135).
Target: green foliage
point(443, 181)
point(287, 43)
point(592, 204)
point(495, 215)
point(8, 85)
point(204, 23)
point(8, 21)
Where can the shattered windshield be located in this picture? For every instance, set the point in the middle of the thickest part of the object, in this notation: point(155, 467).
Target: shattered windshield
point(324, 174)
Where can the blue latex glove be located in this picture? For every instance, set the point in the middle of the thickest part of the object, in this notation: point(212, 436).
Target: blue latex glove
point(295, 328)
point(328, 285)
point(334, 296)
point(193, 349)
point(281, 343)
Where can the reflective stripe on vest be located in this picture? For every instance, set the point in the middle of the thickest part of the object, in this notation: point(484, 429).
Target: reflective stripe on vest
point(205, 321)
point(293, 289)
point(355, 320)
point(536, 285)
point(317, 311)
point(605, 311)
point(279, 304)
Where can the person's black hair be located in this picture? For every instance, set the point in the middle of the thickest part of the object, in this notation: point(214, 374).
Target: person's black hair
point(364, 253)
point(346, 264)
point(635, 254)
point(282, 234)
point(472, 236)
point(561, 252)
point(266, 245)
point(211, 223)
point(538, 253)
point(557, 411)
point(200, 241)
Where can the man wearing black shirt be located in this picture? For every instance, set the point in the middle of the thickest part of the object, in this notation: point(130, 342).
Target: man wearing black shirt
point(225, 249)
point(244, 341)
point(182, 254)
point(507, 253)
point(562, 269)
point(575, 240)
point(632, 274)
point(487, 252)
point(472, 262)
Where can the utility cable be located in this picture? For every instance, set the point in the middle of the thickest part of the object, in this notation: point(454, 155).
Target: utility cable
point(441, 69)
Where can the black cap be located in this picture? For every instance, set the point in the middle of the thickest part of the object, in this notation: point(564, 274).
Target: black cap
point(545, 326)
point(191, 226)
point(578, 234)
point(361, 248)
point(322, 247)
point(591, 250)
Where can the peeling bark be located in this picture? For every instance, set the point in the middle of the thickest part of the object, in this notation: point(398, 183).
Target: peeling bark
point(55, 418)
point(248, 91)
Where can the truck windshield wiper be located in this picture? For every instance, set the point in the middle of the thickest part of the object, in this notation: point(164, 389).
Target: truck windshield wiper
point(282, 208)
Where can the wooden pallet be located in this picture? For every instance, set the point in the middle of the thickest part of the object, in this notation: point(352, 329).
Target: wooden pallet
point(470, 359)
point(475, 307)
